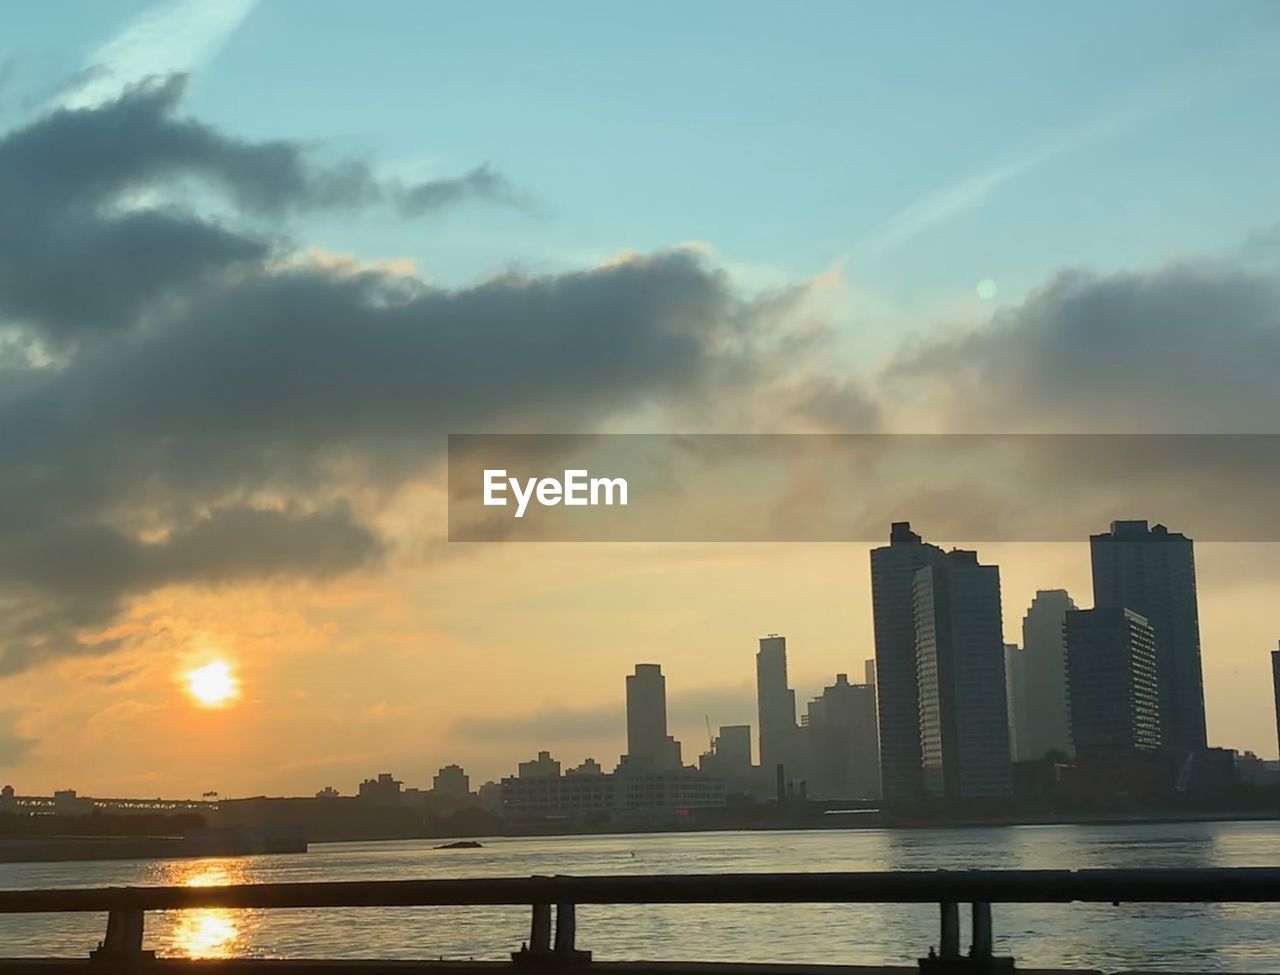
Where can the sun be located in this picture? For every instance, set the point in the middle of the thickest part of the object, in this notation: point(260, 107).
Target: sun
point(213, 685)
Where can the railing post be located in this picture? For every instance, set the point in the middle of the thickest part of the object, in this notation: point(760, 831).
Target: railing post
point(566, 931)
point(123, 942)
point(982, 942)
point(949, 939)
point(540, 929)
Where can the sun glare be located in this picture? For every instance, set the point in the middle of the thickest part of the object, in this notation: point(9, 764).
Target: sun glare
point(213, 685)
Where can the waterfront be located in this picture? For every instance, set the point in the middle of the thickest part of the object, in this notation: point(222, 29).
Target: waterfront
point(1180, 937)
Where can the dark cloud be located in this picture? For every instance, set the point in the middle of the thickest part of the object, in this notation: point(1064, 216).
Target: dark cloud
point(182, 402)
point(79, 255)
point(1182, 349)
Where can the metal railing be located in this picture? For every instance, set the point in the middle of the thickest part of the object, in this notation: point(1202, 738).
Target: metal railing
point(126, 907)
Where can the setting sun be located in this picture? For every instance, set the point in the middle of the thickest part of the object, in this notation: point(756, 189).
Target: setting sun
point(213, 684)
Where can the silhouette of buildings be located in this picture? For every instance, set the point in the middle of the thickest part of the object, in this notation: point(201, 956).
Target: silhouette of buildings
point(893, 570)
point(779, 737)
point(542, 767)
point(1152, 572)
point(593, 795)
point(1045, 725)
point(964, 721)
point(451, 782)
point(648, 744)
point(383, 790)
point(840, 729)
point(1112, 681)
point(729, 758)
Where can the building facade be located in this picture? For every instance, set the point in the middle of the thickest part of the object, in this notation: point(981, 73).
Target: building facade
point(1152, 572)
point(779, 734)
point(964, 719)
point(1112, 681)
point(1046, 723)
point(840, 728)
point(648, 744)
point(893, 570)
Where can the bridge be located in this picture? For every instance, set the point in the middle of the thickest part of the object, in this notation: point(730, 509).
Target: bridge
point(68, 803)
point(553, 901)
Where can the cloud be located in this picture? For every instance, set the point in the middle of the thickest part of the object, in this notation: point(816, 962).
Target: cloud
point(183, 401)
point(172, 37)
point(80, 255)
point(1187, 348)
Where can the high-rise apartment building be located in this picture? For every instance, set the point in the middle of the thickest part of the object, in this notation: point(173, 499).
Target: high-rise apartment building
point(964, 720)
point(649, 746)
point(1275, 683)
point(1046, 725)
point(893, 570)
point(1152, 571)
point(1112, 681)
point(779, 735)
point(840, 728)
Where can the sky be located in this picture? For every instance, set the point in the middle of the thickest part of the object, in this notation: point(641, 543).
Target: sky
point(257, 261)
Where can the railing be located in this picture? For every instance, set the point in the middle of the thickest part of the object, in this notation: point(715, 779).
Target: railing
point(126, 907)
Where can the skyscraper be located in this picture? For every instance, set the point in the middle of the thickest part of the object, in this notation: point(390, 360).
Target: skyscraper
point(893, 569)
point(1046, 725)
point(1153, 572)
point(964, 720)
point(1015, 676)
point(840, 727)
point(777, 706)
point(648, 744)
point(1112, 681)
point(1275, 682)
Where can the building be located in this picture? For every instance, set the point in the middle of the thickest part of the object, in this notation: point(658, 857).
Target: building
point(451, 782)
point(674, 791)
point(1046, 724)
point(1015, 676)
point(893, 569)
point(648, 744)
point(1112, 681)
point(542, 767)
point(964, 719)
point(631, 792)
point(384, 790)
point(1275, 683)
point(558, 796)
point(779, 734)
point(732, 747)
point(589, 766)
point(1152, 572)
point(840, 727)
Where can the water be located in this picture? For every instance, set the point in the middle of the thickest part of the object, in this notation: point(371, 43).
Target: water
point(1192, 937)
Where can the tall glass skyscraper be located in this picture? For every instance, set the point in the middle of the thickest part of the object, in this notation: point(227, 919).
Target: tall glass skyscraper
point(893, 570)
point(1152, 571)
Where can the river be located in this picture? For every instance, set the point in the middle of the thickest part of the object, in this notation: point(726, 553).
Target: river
point(1194, 937)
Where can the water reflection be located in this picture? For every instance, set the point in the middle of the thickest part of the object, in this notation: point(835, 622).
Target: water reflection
point(203, 932)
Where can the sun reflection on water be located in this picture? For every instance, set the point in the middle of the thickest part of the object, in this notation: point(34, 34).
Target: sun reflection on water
point(212, 932)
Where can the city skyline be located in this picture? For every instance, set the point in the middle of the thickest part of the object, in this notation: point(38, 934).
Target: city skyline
point(644, 716)
point(240, 316)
